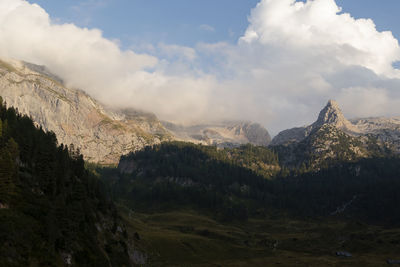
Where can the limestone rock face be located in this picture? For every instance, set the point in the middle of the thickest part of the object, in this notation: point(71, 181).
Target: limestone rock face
point(222, 134)
point(101, 134)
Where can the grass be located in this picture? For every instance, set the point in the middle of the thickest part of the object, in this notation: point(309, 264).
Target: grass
point(186, 238)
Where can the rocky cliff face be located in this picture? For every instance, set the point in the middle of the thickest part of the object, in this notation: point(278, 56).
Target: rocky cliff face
point(223, 134)
point(101, 134)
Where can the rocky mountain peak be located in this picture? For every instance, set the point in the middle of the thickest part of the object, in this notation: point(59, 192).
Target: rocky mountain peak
point(332, 114)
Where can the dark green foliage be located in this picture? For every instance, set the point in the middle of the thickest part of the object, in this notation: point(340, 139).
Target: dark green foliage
point(369, 187)
point(49, 202)
point(228, 183)
point(225, 183)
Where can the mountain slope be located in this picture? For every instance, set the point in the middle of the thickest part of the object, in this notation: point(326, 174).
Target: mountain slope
point(101, 134)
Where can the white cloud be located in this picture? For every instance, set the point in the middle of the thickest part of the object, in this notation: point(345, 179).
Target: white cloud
point(293, 57)
point(296, 55)
point(369, 101)
point(178, 51)
point(318, 25)
point(207, 28)
point(87, 60)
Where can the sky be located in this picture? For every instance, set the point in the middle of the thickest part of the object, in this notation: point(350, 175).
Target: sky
point(181, 21)
point(276, 62)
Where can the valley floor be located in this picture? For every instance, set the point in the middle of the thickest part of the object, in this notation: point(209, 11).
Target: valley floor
point(186, 238)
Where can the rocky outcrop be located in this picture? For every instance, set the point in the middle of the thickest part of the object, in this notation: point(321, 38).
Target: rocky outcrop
point(222, 134)
point(102, 134)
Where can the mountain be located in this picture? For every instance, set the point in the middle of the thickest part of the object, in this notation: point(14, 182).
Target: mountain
point(386, 130)
point(330, 114)
point(102, 134)
point(333, 137)
point(222, 134)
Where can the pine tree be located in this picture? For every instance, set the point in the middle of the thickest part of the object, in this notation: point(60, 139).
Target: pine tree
point(7, 171)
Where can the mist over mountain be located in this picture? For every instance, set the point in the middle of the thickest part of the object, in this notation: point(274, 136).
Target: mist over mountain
point(104, 133)
point(101, 133)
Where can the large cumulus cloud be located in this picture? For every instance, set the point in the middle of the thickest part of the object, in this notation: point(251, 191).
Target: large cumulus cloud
point(87, 60)
point(292, 58)
point(295, 55)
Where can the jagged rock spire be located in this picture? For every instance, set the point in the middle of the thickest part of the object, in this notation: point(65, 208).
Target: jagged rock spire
point(331, 114)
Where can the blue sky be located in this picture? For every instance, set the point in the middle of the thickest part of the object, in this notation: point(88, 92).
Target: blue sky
point(186, 22)
point(174, 21)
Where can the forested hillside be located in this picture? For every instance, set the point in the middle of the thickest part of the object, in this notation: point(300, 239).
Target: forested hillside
point(235, 184)
point(177, 175)
point(53, 212)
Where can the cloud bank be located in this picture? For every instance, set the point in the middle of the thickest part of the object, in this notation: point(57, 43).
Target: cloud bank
point(292, 58)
